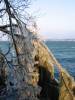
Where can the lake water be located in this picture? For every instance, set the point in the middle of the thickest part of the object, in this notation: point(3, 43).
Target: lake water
point(64, 51)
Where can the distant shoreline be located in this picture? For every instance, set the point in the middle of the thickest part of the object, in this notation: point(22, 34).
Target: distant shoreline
point(60, 40)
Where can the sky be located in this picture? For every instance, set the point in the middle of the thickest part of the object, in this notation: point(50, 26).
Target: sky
point(55, 18)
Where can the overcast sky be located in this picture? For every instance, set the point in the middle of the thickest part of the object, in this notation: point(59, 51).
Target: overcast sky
point(57, 18)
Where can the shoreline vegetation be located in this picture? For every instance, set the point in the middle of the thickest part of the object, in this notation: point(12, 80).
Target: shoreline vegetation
point(47, 60)
point(24, 76)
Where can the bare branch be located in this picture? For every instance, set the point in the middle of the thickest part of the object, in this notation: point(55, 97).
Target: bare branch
point(0, 1)
point(2, 10)
point(4, 30)
point(7, 25)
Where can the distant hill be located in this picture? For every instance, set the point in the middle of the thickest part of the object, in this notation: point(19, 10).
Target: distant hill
point(59, 40)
